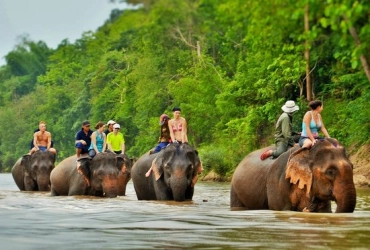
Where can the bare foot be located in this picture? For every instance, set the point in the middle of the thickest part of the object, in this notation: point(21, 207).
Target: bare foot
point(147, 174)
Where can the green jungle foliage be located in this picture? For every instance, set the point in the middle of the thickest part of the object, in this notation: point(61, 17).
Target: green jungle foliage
point(229, 65)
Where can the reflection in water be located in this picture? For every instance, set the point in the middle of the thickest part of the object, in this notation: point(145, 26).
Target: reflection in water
point(34, 220)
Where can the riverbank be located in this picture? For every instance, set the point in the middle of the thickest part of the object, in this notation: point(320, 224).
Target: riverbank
point(361, 166)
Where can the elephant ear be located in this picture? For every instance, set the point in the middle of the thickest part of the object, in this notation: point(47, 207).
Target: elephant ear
point(157, 167)
point(85, 167)
point(298, 169)
point(197, 164)
point(120, 162)
point(26, 164)
point(53, 157)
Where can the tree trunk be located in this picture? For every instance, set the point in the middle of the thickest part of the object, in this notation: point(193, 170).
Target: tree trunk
point(355, 37)
point(307, 54)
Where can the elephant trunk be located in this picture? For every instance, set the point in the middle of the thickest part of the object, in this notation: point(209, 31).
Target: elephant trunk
point(178, 187)
point(43, 183)
point(109, 186)
point(345, 197)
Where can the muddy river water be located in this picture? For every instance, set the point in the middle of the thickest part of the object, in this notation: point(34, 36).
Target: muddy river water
point(34, 220)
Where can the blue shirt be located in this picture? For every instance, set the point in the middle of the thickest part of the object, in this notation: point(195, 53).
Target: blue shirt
point(80, 135)
point(99, 141)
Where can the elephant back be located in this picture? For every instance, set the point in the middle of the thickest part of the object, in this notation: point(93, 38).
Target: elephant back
point(64, 176)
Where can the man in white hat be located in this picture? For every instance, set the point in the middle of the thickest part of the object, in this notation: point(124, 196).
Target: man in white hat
point(284, 131)
point(109, 129)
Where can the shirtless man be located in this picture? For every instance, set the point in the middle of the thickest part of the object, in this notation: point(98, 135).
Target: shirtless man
point(42, 140)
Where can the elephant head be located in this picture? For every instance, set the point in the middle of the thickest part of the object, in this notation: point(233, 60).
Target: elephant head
point(102, 173)
point(326, 173)
point(36, 169)
point(174, 168)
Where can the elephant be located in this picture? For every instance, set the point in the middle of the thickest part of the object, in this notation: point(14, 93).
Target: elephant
point(32, 172)
point(105, 175)
point(175, 170)
point(301, 179)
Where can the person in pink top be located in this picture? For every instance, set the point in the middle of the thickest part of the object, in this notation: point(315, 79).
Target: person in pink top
point(178, 127)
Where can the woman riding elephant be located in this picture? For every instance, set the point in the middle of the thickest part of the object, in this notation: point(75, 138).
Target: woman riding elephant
point(32, 172)
point(107, 174)
point(175, 169)
point(301, 179)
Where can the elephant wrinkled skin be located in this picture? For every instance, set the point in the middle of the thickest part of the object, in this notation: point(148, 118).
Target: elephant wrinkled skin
point(32, 172)
point(299, 180)
point(107, 174)
point(174, 170)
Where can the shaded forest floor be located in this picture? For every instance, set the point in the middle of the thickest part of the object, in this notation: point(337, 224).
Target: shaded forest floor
point(361, 168)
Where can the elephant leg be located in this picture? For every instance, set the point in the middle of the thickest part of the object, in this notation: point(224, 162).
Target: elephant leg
point(235, 203)
point(53, 192)
point(161, 190)
point(137, 195)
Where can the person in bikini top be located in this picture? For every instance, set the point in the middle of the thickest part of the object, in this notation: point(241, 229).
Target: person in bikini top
point(178, 127)
point(312, 124)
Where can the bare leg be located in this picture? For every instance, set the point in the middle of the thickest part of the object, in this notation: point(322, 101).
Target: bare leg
point(147, 174)
point(52, 150)
point(33, 150)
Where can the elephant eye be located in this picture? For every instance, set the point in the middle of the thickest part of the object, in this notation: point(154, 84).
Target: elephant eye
point(190, 166)
point(331, 172)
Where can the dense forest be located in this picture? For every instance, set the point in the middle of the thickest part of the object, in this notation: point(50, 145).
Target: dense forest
point(229, 65)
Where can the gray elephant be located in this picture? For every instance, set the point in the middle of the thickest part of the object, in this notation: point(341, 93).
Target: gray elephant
point(32, 172)
point(299, 180)
point(106, 175)
point(175, 169)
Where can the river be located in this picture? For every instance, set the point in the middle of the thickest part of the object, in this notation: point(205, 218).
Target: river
point(35, 220)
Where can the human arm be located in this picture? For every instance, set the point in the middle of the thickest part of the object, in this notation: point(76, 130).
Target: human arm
point(286, 128)
point(93, 143)
point(104, 142)
point(109, 144)
point(122, 144)
point(35, 140)
point(172, 134)
point(184, 134)
point(49, 140)
point(323, 129)
point(79, 138)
